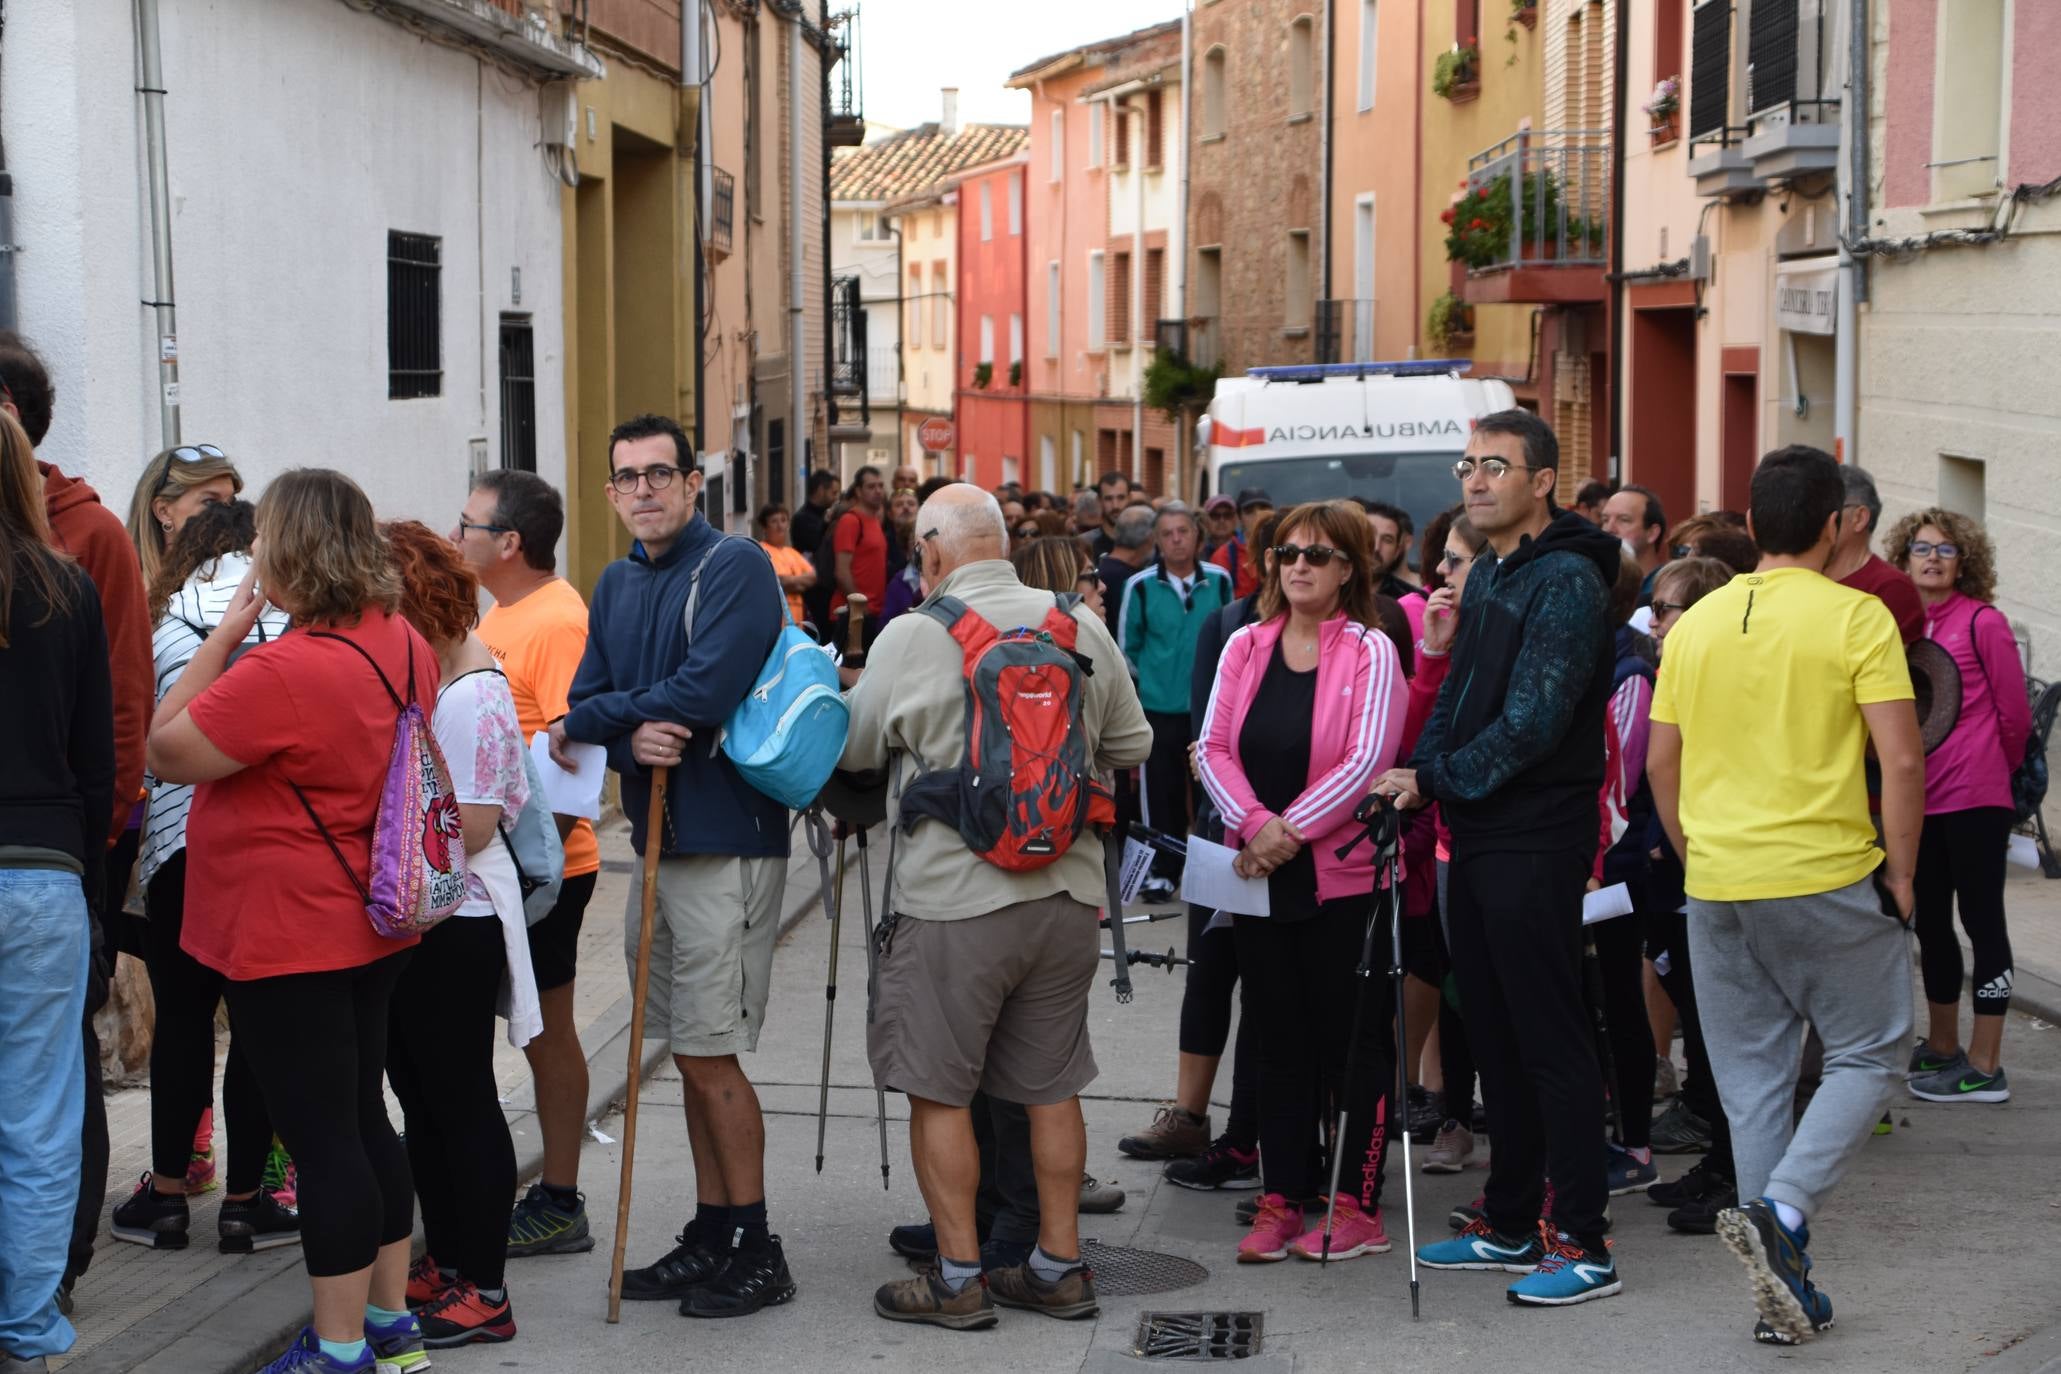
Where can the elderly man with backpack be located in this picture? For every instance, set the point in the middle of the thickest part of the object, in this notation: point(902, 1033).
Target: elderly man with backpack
point(988, 948)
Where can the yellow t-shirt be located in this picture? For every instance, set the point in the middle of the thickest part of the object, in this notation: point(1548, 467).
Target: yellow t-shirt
point(538, 642)
point(1765, 678)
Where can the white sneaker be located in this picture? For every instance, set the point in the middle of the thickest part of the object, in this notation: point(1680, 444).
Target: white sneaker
point(1450, 1153)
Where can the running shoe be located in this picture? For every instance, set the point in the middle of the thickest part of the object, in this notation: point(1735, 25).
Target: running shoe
point(754, 1275)
point(1070, 1297)
point(1467, 1213)
point(1248, 1208)
point(426, 1282)
point(538, 1225)
point(1099, 1198)
point(158, 1220)
point(462, 1315)
point(1175, 1133)
point(1680, 1131)
point(1699, 1215)
point(1222, 1165)
point(305, 1356)
point(1353, 1233)
point(1926, 1061)
point(914, 1241)
point(926, 1299)
point(1567, 1275)
point(1778, 1263)
point(1700, 1181)
point(1427, 1113)
point(200, 1165)
point(1478, 1246)
point(280, 1178)
point(256, 1223)
point(1819, 1311)
point(1275, 1226)
point(1451, 1151)
point(1965, 1084)
point(397, 1345)
point(693, 1261)
point(1626, 1174)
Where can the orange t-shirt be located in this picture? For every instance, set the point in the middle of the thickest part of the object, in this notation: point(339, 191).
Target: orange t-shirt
point(538, 642)
point(789, 561)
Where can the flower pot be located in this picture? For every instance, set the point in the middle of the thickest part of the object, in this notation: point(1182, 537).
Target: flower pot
point(1665, 129)
point(1527, 15)
point(1540, 250)
point(1462, 91)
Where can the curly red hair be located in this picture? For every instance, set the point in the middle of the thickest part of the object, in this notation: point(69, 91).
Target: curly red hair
point(439, 593)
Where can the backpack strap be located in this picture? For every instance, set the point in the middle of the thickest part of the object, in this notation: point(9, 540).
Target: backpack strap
point(364, 892)
point(384, 681)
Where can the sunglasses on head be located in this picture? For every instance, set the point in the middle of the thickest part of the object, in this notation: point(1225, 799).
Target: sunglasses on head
point(185, 453)
point(1319, 555)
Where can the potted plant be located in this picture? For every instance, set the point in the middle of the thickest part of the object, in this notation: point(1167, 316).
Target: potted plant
point(1173, 384)
point(1450, 323)
point(1664, 109)
point(1456, 73)
point(1016, 373)
point(1525, 12)
point(1478, 223)
point(983, 373)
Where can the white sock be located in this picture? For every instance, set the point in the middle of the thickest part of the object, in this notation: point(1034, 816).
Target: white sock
point(1787, 1215)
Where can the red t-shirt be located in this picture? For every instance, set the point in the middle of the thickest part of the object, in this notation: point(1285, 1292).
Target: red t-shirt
point(863, 537)
point(1237, 560)
point(264, 894)
point(1882, 580)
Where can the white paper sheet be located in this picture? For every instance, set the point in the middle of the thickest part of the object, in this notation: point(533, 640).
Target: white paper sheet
point(571, 794)
point(1606, 903)
point(1207, 880)
point(1137, 866)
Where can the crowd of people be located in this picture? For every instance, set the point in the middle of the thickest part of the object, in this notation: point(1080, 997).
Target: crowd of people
point(1716, 715)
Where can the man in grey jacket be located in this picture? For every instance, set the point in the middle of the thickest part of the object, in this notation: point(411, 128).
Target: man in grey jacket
point(984, 973)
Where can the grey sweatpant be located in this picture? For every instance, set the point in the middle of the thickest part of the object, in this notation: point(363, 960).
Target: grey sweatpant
point(1763, 971)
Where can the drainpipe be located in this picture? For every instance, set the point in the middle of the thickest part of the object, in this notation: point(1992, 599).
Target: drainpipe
point(1853, 124)
point(1138, 290)
point(1324, 139)
point(691, 78)
point(151, 86)
point(798, 425)
point(1620, 74)
point(1184, 460)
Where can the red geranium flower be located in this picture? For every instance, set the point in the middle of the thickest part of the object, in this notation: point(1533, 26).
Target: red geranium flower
point(1477, 224)
point(1447, 214)
point(1481, 193)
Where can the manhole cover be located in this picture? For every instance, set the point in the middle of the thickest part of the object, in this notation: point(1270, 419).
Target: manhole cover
point(1119, 1271)
point(1197, 1335)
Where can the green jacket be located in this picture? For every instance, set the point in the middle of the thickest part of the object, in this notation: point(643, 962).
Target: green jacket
point(1158, 628)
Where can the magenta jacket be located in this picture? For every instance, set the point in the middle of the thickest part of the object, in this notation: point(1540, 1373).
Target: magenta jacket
point(1972, 766)
point(1356, 734)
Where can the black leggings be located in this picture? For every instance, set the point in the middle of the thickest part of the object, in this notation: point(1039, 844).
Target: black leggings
point(1455, 1056)
point(1667, 935)
point(317, 1042)
point(1302, 987)
point(1206, 1020)
point(1961, 855)
point(440, 1060)
point(1621, 964)
point(182, 1050)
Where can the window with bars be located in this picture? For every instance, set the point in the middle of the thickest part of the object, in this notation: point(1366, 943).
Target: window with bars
point(518, 394)
point(414, 316)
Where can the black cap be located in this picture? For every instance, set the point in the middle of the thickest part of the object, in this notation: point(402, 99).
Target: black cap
point(1253, 496)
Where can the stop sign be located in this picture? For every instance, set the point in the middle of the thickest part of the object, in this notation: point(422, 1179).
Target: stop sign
point(935, 434)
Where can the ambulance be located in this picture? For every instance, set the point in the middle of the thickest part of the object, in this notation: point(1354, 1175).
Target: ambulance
point(1383, 431)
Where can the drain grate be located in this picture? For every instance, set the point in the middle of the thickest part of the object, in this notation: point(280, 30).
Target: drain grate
point(1119, 1272)
point(1198, 1336)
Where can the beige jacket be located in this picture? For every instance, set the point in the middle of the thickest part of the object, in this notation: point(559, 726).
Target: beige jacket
point(909, 716)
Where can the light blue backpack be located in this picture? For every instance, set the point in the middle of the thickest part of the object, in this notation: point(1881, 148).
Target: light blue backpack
point(788, 733)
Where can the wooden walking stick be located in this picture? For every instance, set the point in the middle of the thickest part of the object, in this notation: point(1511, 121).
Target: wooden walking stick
point(653, 825)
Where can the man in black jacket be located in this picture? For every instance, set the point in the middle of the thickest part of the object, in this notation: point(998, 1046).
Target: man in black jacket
point(1514, 755)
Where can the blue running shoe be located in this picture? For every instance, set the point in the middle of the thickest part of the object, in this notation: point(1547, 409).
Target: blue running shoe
point(397, 1346)
point(1567, 1275)
point(305, 1356)
point(1778, 1262)
point(1479, 1247)
point(1627, 1174)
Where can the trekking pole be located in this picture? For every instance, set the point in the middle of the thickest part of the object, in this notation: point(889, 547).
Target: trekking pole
point(1402, 1042)
point(1113, 877)
point(866, 904)
point(654, 823)
point(833, 901)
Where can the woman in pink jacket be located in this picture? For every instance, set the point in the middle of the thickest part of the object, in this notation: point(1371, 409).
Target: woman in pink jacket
point(1307, 710)
point(1968, 808)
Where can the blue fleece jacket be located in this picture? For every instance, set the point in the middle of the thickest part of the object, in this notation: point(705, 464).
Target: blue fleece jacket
point(639, 666)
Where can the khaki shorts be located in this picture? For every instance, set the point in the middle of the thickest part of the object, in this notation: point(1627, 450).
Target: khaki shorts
point(712, 939)
point(996, 1002)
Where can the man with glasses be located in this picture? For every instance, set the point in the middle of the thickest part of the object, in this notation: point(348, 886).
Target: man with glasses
point(1514, 755)
point(1854, 564)
point(1163, 608)
point(655, 690)
point(537, 629)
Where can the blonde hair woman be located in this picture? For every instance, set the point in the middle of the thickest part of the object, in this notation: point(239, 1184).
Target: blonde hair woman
point(176, 485)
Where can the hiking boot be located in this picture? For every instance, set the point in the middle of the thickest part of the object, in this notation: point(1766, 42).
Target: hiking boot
point(305, 1356)
point(915, 1241)
point(1567, 1275)
point(1353, 1233)
point(1926, 1060)
point(1667, 1080)
point(755, 1275)
point(1276, 1223)
point(1069, 1297)
point(1679, 1131)
point(1479, 1246)
point(1778, 1264)
point(397, 1345)
point(462, 1315)
point(540, 1225)
point(1175, 1133)
point(258, 1222)
point(426, 1282)
point(694, 1261)
point(1426, 1114)
point(1222, 1165)
point(1818, 1310)
point(1625, 1174)
point(1099, 1198)
point(1451, 1151)
point(926, 1299)
point(1965, 1084)
point(158, 1220)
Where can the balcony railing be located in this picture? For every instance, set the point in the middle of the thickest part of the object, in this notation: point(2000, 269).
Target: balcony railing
point(722, 211)
point(849, 374)
point(883, 378)
point(1345, 331)
point(1546, 201)
point(844, 119)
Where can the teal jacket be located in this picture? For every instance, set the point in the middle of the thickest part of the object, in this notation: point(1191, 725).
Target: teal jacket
point(1158, 628)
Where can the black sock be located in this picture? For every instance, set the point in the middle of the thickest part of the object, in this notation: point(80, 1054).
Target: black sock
point(564, 1199)
point(711, 1223)
point(748, 1221)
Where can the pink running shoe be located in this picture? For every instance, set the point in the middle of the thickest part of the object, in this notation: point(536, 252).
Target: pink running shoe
point(1277, 1223)
point(1354, 1233)
point(200, 1166)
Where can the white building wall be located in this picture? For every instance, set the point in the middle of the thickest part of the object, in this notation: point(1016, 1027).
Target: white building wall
point(298, 133)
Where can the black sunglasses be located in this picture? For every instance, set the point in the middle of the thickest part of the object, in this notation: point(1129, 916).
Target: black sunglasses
point(1319, 555)
point(185, 453)
point(1663, 607)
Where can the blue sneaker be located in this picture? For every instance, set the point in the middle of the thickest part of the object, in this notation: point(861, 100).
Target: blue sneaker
point(1478, 1246)
point(305, 1356)
point(1567, 1275)
point(397, 1346)
point(1778, 1262)
point(1626, 1174)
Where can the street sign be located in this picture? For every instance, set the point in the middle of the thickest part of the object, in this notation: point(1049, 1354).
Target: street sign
point(935, 434)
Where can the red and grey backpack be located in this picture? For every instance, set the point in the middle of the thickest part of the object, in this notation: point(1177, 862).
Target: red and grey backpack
point(1024, 792)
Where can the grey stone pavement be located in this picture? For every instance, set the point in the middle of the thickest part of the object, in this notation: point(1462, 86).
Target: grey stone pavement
point(1939, 1252)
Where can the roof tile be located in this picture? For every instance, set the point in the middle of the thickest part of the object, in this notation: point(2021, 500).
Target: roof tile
point(917, 159)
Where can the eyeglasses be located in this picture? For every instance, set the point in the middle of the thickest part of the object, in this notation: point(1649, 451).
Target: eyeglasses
point(1496, 468)
point(1666, 607)
point(464, 525)
point(659, 475)
point(1319, 555)
point(1453, 560)
point(1921, 548)
point(185, 453)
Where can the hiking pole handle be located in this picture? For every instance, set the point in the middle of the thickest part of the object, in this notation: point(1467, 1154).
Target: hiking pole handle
point(855, 630)
point(654, 824)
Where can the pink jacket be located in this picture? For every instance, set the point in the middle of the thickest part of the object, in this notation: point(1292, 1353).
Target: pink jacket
point(1356, 733)
point(1972, 766)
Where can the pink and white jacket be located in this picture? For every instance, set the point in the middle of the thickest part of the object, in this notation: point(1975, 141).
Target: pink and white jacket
point(1357, 733)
